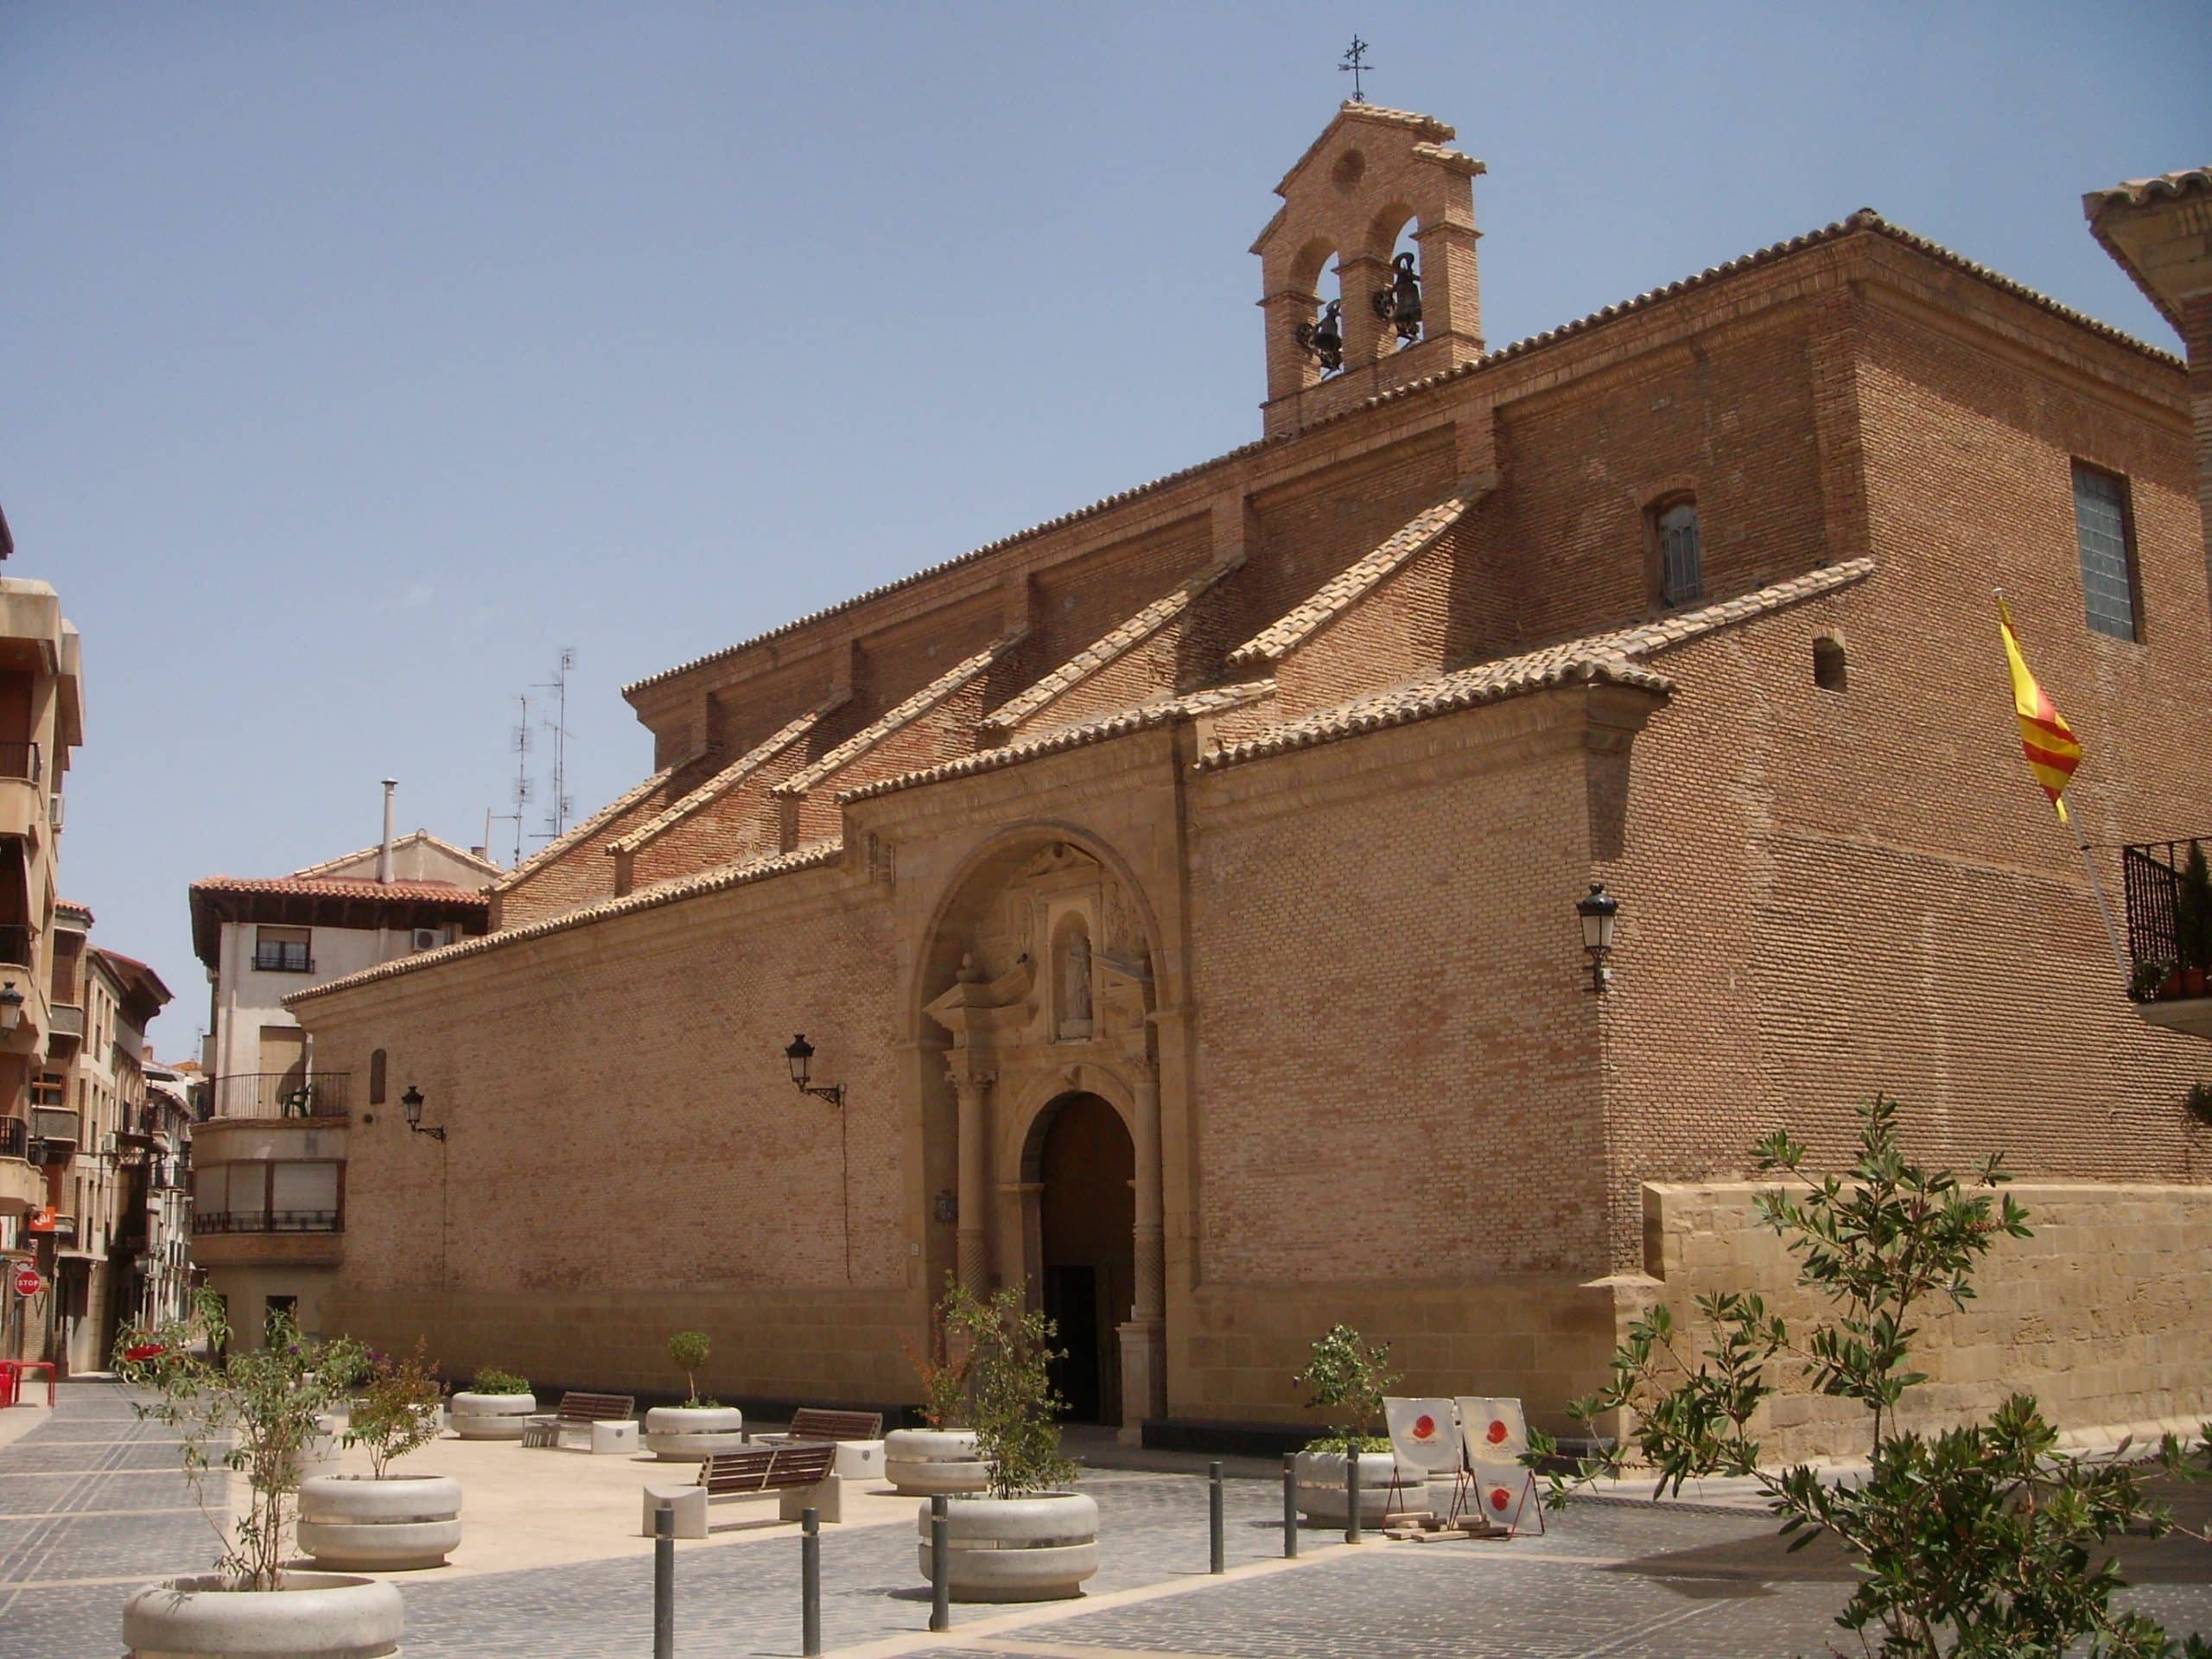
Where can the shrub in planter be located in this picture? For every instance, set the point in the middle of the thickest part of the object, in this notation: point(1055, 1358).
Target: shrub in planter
point(385, 1521)
point(1023, 1539)
point(493, 1407)
point(941, 1458)
point(698, 1426)
point(255, 1413)
point(1346, 1376)
point(2193, 920)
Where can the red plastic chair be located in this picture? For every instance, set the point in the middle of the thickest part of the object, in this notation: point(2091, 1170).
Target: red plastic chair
point(10, 1382)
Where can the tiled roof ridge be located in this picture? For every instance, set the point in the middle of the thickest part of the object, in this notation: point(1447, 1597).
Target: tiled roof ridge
point(1865, 219)
point(2136, 193)
point(911, 710)
point(1612, 657)
point(1109, 647)
point(591, 826)
point(1333, 597)
point(1144, 717)
point(439, 842)
point(345, 887)
point(673, 891)
point(722, 782)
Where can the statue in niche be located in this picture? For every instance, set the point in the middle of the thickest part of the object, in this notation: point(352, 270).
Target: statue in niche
point(1075, 986)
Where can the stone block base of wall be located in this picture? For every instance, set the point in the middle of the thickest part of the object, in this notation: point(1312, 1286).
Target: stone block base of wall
point(2105, 1314)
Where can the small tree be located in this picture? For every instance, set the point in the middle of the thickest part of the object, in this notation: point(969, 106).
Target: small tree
point(1973, 1541)
point(688, 1349)
point(1012, 1403)
point(2193, 911)
point(398, 1410)
point(253, 1412)
point(943, 1371)
point(1346, 1376)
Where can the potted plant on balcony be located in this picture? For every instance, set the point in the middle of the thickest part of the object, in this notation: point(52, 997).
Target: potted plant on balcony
point(382, 1522)
point(941, 1457)
point(2193, 920)
point(495, 1406)
point(1027, 1538)
point(253, 1412)
point(698, 1426)
point(1346, 1376)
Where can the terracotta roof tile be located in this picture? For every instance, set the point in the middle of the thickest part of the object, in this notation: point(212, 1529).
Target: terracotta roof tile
point(722, 782)
point(486, 865)
point(1610, 658)
point(652, 898)
point(1347, 586)
point(2137, 192)
point(1117, 643)
point(441, 893)
point(907, 712)
point(1143, 717)
point(591, 826)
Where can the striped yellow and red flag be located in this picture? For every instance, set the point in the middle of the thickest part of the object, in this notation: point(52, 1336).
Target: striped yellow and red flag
point(2053, 751)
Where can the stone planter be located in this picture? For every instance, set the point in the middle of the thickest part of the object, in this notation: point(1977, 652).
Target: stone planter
point(362, 1524)
point(492, 1416)
point(314, 1616)
point(923, 1462)
point(1321, 1495)
point(675, 1433)
point(319, 1455)
point(1040, 1547)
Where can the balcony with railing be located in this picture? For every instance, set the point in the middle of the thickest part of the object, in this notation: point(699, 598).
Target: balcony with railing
point(2169, 891)
point(58, 1125)
point(20, 762)
point(23, 807)
point(268, 1221)
point(16, 941)
point(14, 1138)
point(283, 1094)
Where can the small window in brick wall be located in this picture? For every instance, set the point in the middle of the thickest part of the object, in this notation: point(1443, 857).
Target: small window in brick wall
point(1831, 672)
point(1678, 552)
point(2104, 531)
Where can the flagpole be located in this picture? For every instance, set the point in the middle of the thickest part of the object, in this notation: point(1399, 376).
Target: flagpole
point(2104, 909)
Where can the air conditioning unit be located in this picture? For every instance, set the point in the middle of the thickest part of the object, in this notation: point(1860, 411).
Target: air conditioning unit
point(426, 938)
point(54, 813)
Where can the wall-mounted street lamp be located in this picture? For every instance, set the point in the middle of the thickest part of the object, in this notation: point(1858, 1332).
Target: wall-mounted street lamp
point(11, 1006)
point(800, 1057)
point(411, 1103)
point(1601, 914)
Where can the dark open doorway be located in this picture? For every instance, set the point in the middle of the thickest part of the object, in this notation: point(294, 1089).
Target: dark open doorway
point(1087, 1213)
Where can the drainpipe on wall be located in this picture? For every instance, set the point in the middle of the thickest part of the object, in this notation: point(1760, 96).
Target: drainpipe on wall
point(383, 853)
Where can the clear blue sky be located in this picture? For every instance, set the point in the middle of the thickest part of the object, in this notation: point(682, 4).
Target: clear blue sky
point(360, 356)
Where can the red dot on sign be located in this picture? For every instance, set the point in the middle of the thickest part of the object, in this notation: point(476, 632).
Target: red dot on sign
point(1496, 1431)
point(1424, 1427)
point(1499, 1498)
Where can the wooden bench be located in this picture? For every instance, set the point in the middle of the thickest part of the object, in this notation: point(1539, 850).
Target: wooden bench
point(580, 1410)
point(797, 1474)
point(858, 1436)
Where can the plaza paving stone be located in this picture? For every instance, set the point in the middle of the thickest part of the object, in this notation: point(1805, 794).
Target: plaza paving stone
point(85, 1517)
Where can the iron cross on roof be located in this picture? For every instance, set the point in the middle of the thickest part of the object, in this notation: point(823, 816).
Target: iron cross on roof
point(1355, 64)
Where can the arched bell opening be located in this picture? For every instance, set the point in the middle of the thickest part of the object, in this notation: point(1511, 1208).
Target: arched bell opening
point(1083, 1164)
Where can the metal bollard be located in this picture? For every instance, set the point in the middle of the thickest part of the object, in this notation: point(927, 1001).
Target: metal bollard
point(810, 1579)
point(1216, 1555)
point(1351, 1491)
point(940, 1564)
point(664, 1582)
point(1289, 1507)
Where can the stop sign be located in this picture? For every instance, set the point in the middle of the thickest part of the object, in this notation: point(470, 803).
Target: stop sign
point(28, 1283)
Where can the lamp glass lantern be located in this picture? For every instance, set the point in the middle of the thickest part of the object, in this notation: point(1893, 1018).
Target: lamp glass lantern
point(800, 1056)
point(1600, 913)
point(11, 1006)
point(411, 1103)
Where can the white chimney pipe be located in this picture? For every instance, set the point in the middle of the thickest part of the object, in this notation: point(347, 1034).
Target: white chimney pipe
point(383, 854)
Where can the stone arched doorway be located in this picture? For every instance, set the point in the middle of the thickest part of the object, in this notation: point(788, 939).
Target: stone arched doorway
point(1085, 1167)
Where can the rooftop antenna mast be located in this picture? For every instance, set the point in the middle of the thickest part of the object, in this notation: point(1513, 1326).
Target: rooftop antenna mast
point(563, 804)
point(519, 740)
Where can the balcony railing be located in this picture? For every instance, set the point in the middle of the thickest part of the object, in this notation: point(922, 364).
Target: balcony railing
point(2167, 965)
point(283, 1094)
point(14, 1138)
point(54, 1123)
point(19, 760)
point(268, 1221)
point(68, 1021)
point(283, 956)
point(15, 942)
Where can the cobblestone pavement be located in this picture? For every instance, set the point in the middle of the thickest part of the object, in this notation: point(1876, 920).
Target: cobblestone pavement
point(89, 1509)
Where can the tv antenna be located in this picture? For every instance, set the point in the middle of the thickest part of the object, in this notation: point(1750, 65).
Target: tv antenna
point(558, 810)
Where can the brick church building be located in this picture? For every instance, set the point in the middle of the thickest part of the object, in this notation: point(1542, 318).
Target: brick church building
point(1182, 893)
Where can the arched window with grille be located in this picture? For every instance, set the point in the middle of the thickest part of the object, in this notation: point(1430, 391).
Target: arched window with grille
point(376, 1077)
point(1678, 552)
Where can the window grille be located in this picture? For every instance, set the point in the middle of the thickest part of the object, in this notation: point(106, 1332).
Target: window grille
point(2104, 534)
point(1681, 555)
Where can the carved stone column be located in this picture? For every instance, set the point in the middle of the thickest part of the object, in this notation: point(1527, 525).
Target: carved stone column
point(975, 1196)
point(1144, 1337)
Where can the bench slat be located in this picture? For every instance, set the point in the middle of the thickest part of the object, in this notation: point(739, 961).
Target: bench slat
point(773, 1469)
point(819, 1423)
point(578, 1407)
